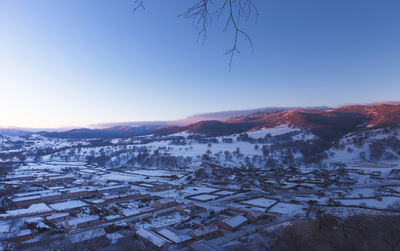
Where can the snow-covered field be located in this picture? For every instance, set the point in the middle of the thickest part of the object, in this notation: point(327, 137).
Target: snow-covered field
point(274, 131)
point(382, 203)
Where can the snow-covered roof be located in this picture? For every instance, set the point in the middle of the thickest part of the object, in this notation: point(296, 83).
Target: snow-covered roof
point(27, 198)
point(77, 221)
point(113, 187)
point(157, 240)
point(173, 236)
point(130, 212)
point(33, 193)
point(32, 209)
point(79, 189)
point(34, 197)
point(71, 204)
point(235, 221)
point(57, 216)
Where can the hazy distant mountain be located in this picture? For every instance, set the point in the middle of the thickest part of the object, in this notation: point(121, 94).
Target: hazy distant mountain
point(13, 132)
point(130, 124)
point(224, 115)
point(221, 116)
point(112, 132)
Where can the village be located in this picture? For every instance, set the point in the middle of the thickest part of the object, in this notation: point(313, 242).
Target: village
point(80, 206)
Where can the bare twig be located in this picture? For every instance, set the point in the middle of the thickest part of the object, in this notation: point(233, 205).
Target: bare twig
point(235, 10)
point(202, 12)
point(200, 15)
point(138, 5)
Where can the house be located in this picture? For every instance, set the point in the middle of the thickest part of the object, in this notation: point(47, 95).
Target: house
point(57, 217)
point(78, 192)
point(61, 179)
point(44, 196)
point(130, 212)
point(253, 216)
point(114, 189)
point(20, 177)
point(23, 235)
point(152, 239)
point(83, 222)
point(206, 232)
point(39, 209)
point(233, 222)
point(70, 205)
point(174, 236)
point(165, 203)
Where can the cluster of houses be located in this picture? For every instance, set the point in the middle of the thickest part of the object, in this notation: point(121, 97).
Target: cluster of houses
point(76, 208)
point(59, 208)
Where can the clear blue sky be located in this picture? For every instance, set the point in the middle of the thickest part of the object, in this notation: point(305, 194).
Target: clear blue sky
point(74, 62)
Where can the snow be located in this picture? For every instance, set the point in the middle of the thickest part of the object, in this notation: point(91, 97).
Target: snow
point(57, 216)
point(121, 177)
point(372, 202)
point(287, 208)
point(33, 193)
point(223, 193)
point(274, 131)
point(175, 237)
point(157, 240)
point(77, 221)
point(197, 189)
point(34, 197)
point(130, 212)
point(157, 173)
point(235, 221)
point(32, 209)
point(205, 197)
point(260, 202)
point(66, 205)
point(27, 198)
point(278, 226)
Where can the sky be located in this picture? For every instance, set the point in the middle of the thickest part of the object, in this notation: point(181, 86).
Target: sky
point(75, 63)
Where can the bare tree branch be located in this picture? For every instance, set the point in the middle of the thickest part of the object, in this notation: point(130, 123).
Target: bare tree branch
point(202, 12)
point(138, 4)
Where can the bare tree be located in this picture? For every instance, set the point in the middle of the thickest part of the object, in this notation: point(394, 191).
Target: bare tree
point(203, 12)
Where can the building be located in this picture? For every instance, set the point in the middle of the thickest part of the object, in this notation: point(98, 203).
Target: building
point(70, 205)
point(114, 189)
point(18, 237)
point(57, 217)
point(39, 209)
point(165, 203)
point(27, 199)
point(206, 232)
point(233, 222)
point(174, 236)
point(83, 222)
point(152, 239)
